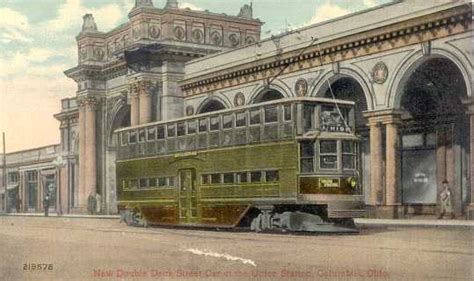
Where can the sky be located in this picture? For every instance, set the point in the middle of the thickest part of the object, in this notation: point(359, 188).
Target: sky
point(37, 44)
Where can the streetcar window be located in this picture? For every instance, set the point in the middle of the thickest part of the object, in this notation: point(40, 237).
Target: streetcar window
point(227, 121)
point(192, 127)
point(161, 132)
point(151, 134)
point(287, 112)
point(141, 136)
point(308, 113)
point(161, 182)
point(255, 176)
point(133, 137)
point(181, 129)
point(241, 119)
point(125, 138)
point(205, 179)
point(170, 181)
point(243, 177)
point(143, 183)
point(124, 184)
point(306, 156)
point(171, 130)
point(271, 176)
point(271, 114)
point(152, 182)
point(215, 178)
point(255, 117)
point(214, 123)
point(229, 178)
point(133, 184)
point(348, 155)
point(328, 154)
point(203, 125)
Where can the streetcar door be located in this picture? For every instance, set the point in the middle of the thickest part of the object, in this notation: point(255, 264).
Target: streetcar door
point(187, 196)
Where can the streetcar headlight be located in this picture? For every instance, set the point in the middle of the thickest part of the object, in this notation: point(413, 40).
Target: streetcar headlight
point(352, 182)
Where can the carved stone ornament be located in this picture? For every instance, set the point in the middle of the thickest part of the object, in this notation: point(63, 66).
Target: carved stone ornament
point(83, 54)
point(88, 24)
point(179, 33)
point(189, 110)
point(143, 3)
point(234, 40)
point(301, 87)
point(198, 35)
point(380, 73)
point(99, 54)
point(246, 11)
point(239, 99)
point(136, 33)
point(249, 40)
point(110, 50)
point(154, 31)
point(216, 38)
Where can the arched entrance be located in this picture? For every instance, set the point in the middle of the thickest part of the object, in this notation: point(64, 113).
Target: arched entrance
point(210, 106)
point(434, 135)
point(268, 95)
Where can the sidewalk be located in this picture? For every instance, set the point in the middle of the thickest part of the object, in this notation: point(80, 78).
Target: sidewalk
point(413, 223)
point(75, 216)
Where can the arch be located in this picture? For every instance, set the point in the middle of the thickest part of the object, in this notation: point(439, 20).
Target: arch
point(118, 116)
point(322, 85)
point(213, 103)
point(277, 88)
point(411, 63)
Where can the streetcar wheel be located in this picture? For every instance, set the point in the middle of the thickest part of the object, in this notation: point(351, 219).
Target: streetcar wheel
point(137, 219)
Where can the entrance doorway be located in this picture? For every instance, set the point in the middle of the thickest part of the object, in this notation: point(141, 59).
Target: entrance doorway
point(187, 196)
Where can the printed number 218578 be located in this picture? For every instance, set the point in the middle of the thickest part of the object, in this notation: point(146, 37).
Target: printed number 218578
point(38, 266)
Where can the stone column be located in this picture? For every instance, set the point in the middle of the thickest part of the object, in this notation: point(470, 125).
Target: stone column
point(392, 162)
point(90, 172)
point(470, 111)
point(134, 107)
point(82, 157)
point(376, 162)
point(145, 101)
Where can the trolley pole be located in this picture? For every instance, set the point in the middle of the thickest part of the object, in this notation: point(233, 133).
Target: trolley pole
point(4, 172)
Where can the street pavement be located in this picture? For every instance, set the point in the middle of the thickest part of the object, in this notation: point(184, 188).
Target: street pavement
point(38, 248)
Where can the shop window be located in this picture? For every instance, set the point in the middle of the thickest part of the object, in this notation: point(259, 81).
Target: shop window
point(271, 114)
point(12, 177)
point(255, 176)
point(307, 157)
point(271, 176)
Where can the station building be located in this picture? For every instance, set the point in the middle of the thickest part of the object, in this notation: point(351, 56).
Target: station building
point(407, 65)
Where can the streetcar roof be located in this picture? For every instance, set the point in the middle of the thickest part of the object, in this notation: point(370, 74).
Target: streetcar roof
point(234, 109)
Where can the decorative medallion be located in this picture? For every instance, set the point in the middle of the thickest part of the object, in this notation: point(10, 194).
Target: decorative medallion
point(83, 54)
point(154, 31)
point(216, 38)
point(189, 110)
point(179, 33)
point(136, 33)
point(301, 87)
point(380, 73)
point(249, 40)
point(99, 54)
point(198, 35)
point(239, 99)
point(126, 40)
point(110, 50)
point(234, 40)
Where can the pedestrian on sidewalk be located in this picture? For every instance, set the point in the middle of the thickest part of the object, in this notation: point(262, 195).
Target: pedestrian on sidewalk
point(46, 204)
point(446, 201)
point(91, 204)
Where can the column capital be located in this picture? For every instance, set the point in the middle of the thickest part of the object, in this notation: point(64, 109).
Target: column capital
point(141, 87)
point(385, 116)
point(88, 102)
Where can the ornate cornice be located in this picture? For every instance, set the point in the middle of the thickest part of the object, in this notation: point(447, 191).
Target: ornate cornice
point(141, 87)
point(415, 31)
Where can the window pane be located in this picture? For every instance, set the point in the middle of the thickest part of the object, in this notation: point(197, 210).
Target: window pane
point(271, 114)
point(255, 117)
point(227, 122)
point(143, 183)
point(171, 130)
point(243, 177)
point(255, 176)
point(215, 178)
point(348, 162)
point(205, 179)
point(271, 176)
point(412, 140)
point(229, 178)
point(348, 147)
point(214, 123)
point(151, 134)
point(181, 129)
point(307, 149)
point(241, 119)
point(133, 183)
point(161, 181)
point(307, 165)
point(171, 181)
point(161, 132)
point(133, 137)
point(152, 182)
point(125, 137)
point(192, 127)
point(203, 125)
point(328, 147)
point(328, 162)
point(287, 112)
point(308, 112)
point(141, 136)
